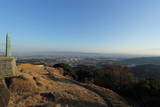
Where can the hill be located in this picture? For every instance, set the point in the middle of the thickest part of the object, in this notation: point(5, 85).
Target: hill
point(42, 86)
point(142, 60)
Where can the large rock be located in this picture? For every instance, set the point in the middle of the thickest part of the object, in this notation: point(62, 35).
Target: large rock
point(22, 83)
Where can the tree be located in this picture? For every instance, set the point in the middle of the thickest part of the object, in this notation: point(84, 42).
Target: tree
point(84, 73)
point(68, 70)
point(115, 76)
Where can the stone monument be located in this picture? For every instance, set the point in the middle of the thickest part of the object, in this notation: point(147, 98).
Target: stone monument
point(7, 63)
point(7, 69)
point(8, 46)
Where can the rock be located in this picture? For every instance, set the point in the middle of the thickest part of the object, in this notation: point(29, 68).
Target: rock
point(49, 96)
point(4, 95)
point(19, 85)
point(25, 77)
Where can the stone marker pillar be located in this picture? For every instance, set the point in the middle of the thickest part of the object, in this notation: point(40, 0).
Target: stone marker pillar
point(8, 46)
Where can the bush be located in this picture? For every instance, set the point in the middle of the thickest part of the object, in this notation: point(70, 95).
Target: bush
point(84, 73)
point(148, 87)
point(68, 70)
point(116, 77)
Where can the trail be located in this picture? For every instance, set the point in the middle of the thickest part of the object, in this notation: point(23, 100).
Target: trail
point(90, 88)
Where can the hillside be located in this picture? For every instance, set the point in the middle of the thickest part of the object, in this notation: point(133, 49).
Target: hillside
point(41, 86)
point(147, 71)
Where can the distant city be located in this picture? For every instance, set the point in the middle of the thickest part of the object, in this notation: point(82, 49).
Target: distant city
point(72, 60)
point(87, 59)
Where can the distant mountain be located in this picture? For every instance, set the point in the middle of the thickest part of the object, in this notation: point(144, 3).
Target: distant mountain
point(75, 53)
point(142, 60)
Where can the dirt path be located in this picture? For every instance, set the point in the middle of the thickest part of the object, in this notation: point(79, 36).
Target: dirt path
point(89, 88)
point(111, 98)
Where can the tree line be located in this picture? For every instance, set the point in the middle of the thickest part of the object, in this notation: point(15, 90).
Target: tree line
point(144, 92)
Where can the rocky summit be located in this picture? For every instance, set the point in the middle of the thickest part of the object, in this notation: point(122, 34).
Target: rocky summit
point(43, 86)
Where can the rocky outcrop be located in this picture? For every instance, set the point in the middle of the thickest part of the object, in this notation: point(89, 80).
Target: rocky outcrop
point(40, 86)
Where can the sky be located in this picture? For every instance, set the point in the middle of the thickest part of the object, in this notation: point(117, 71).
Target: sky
point(101, 26)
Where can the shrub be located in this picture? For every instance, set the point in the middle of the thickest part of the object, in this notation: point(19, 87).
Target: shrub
point(84, 73)
point(148, 87)
point(116, 77)
point(68, 70)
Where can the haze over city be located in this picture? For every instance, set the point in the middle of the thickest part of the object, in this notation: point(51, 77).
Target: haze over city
point(99, 26)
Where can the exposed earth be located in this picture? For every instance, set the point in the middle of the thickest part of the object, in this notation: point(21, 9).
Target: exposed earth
point(42, 86)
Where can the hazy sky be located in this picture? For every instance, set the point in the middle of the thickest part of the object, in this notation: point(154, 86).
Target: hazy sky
point(104, 26)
